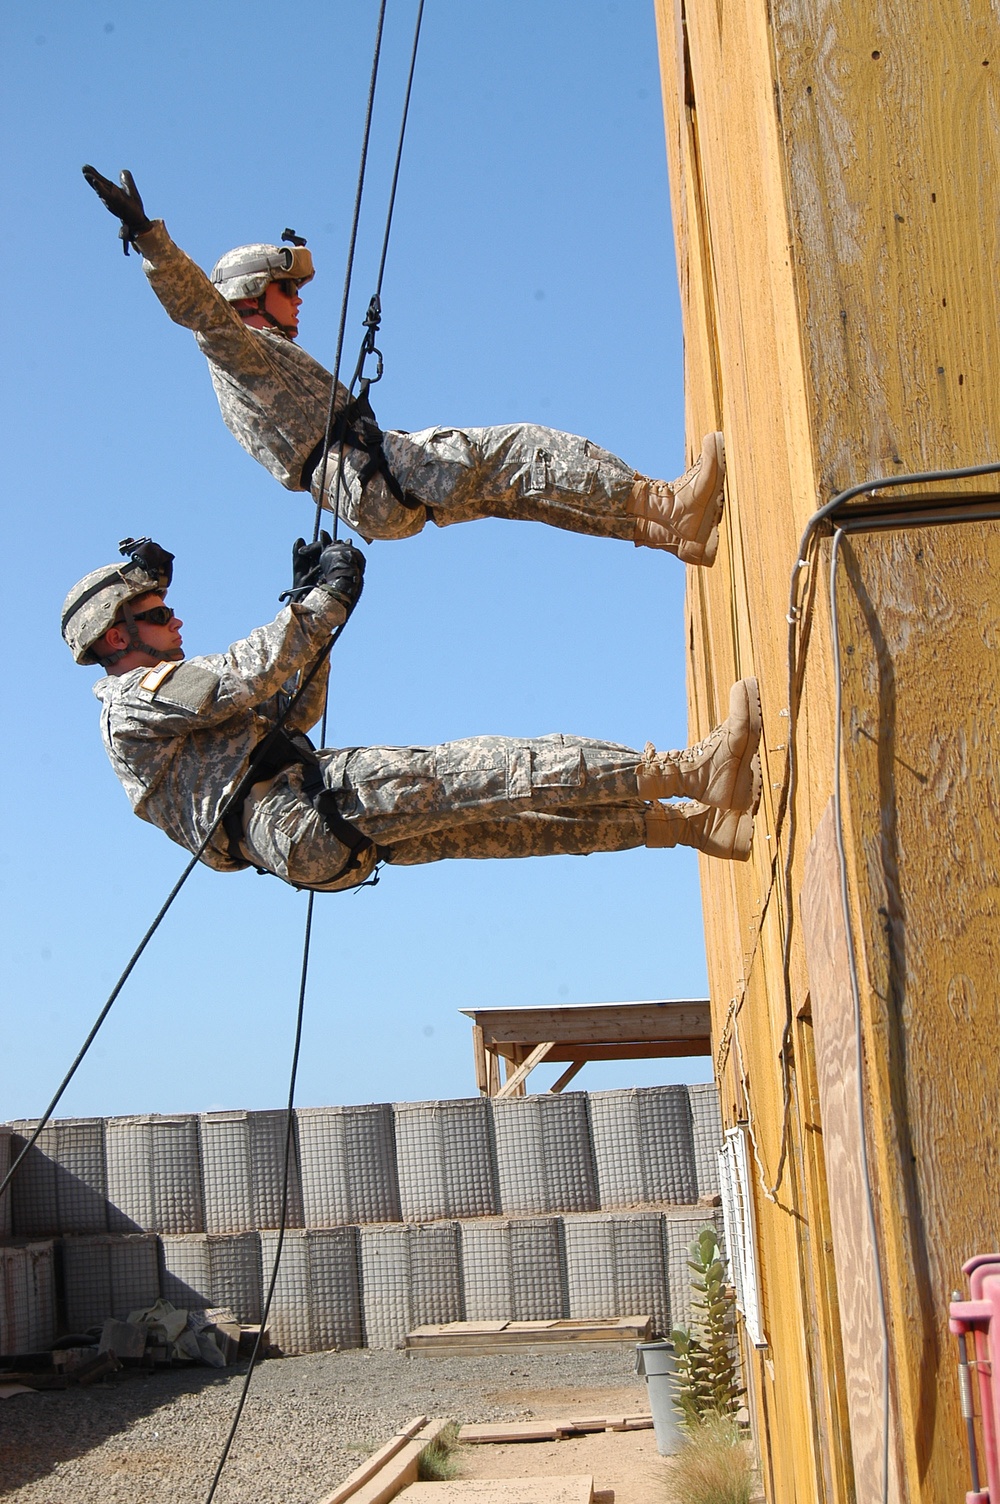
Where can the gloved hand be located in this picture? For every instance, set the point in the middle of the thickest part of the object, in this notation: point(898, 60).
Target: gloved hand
point(305, 564)
point(123, 202)
point(342, 571)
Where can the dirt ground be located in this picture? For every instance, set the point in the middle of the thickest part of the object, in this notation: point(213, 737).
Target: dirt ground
point(625, 1461)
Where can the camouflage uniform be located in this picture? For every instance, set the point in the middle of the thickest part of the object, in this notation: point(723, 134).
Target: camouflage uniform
point(180, 736)
point(275, 397)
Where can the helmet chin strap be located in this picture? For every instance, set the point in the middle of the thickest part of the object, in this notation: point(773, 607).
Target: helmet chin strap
point(136, 644)
point(288, 330)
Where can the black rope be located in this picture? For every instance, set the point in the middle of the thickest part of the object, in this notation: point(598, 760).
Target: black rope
point(348, 274)
point(368, 342)
point(224, 810)
point(373, 317)
point(289, 1136)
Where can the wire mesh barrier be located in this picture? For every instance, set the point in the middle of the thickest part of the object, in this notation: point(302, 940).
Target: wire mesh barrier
point(680, 1228)
point(199, 1270)
point(514, 1270)
point(399, 1215)
point(707, 1126)
point(545, 1159)
point(317, 1299)
point(27, 1297)
point(409, 1277)
point(154, 1174)
point(447, 1166)
point(62, 1184)
point(616, 1263)
point(348, 1163)
point(108, 1276)
point(644, 1148)
point(242, 1163)
point(6, 1137)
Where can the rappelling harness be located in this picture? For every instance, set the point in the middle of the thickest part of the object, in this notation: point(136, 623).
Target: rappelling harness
point(277, 751)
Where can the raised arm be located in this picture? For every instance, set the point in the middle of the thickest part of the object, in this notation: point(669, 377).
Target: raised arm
point(208, 690)
point(189, 297)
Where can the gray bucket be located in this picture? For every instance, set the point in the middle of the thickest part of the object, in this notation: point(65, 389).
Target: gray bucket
point(656, 1362)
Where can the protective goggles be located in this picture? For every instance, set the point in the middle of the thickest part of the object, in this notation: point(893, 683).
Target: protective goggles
point(157, 616)
point(294, 262)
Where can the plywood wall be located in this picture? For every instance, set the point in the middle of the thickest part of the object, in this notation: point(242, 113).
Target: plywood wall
point(836, 191)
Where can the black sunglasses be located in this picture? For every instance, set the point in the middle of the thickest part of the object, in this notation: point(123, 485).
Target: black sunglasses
point(159, 616)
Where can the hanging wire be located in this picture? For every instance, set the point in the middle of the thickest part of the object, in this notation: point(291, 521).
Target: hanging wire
point(368, 342)
point(348, 274)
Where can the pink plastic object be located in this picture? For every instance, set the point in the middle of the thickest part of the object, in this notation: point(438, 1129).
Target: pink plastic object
point(980, 1316)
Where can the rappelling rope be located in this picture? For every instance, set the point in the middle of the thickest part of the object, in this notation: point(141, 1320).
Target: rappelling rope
point(371, 326)
point(230, 800)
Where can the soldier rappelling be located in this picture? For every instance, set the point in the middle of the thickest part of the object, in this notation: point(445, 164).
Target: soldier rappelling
point(184, 734)
point(275, 400)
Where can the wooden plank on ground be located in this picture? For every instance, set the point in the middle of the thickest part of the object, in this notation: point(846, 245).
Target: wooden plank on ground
point(550, 1430)
point(569, 1490)
point(379, 1461)
point(523, 1337)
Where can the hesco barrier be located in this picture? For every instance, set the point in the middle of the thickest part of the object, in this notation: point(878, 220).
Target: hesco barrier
point(203, 1269)
point(447, 1165)
point(242, 1167)
point(533, 1208)
point(108, 1276)
point(153, 1175)
point(27, 1297)
point(221, 1172)
point(317, 1301)
point(514, 1270)
point(348, 1162)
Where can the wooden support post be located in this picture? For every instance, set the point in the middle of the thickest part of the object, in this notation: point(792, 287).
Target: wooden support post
point(479, 1056)
point(514, 1085)
point(567, 1075)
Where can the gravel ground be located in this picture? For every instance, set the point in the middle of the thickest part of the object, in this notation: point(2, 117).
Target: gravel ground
point(307, 1423)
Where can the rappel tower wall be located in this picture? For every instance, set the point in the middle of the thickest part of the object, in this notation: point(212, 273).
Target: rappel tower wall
point(836, 195)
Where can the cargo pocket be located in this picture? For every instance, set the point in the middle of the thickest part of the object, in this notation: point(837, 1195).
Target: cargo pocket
point(557, 764)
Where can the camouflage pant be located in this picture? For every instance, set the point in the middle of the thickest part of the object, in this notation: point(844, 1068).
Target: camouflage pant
point(488, 796)
point(519, 471)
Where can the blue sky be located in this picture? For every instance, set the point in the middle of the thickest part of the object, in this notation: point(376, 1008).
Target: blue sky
point(530, 277)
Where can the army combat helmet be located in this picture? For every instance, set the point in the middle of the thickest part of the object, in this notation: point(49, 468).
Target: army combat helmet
point(246, 271)
point(102, 598)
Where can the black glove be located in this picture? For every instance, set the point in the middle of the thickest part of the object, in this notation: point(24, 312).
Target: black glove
point(156, 560)
point(342, 571)
point(305, 565)
point(124, 203)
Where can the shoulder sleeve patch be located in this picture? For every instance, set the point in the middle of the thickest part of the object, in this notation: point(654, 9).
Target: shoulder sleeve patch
point(156, 676)
point(188, 687)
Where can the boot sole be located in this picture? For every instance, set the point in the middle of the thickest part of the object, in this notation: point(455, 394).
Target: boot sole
point(737, 847)
point(749, 783)
point(700, 551)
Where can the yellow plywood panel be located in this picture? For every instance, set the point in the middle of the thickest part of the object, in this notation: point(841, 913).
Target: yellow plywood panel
point(835, 177)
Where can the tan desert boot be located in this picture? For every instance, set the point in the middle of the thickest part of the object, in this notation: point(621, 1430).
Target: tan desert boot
point(722, 770)
point(724, 833)
point(682, 516)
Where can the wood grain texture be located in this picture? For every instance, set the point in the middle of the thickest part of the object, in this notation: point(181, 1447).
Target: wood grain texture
point(835, 181)
point(839, 1086)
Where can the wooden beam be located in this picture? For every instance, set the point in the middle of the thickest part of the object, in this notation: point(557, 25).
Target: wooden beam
point(664, 1049)
point(516, 1081)
point(600, 1023)
point(567, 1075)
point(479, 1056)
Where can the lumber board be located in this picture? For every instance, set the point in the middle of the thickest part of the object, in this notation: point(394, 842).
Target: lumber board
point(549, 1430)
point(386, 1471)
point(837, 1077)
point(603, 1023)
point(493, 1336)
point(578, 1489)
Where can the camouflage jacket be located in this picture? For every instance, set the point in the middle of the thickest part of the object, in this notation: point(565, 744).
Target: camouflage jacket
point(274, 397)
point(180, 735)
